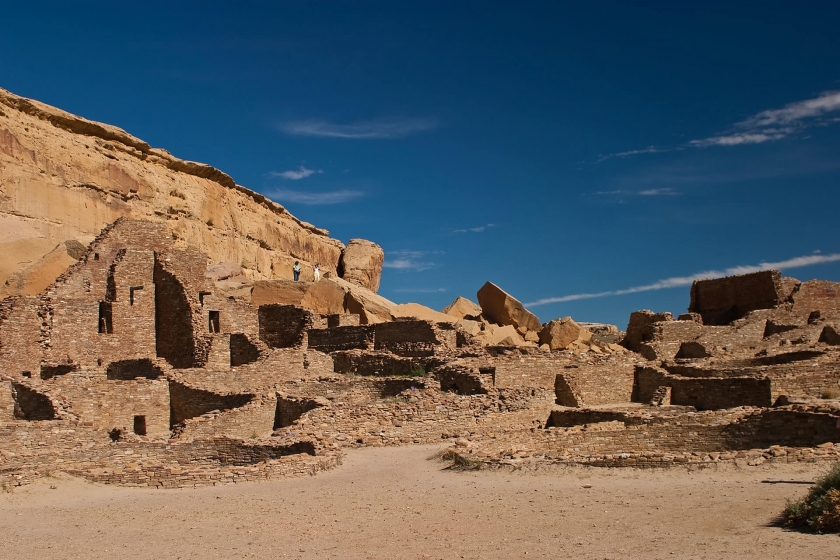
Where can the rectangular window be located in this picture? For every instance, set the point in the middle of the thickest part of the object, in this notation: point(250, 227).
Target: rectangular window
point(132, 294)
point(201, 297)
point(140, 425)
point(105, 324)
point(214, 321)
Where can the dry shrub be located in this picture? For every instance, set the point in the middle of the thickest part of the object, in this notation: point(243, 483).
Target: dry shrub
point(820, 510)
point(461, 463)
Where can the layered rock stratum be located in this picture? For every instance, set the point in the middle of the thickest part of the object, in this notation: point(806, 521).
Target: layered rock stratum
point(63, 178)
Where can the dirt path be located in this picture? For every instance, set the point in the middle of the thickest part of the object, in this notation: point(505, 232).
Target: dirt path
point(393, 503)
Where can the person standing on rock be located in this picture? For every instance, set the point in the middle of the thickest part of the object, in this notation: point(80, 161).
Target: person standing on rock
point(296, 270)
point(317, 272)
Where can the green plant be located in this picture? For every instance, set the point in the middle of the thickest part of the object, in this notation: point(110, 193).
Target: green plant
point(417, 370)
point(819, 511)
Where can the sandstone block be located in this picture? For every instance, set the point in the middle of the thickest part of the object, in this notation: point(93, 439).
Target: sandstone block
point(361, 263)
point(502, 308)
point(560, 333)
point(462, 308)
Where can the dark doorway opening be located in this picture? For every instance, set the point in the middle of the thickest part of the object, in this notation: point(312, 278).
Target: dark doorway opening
point(132, 294)
point(106, 326)
point(140, 425)
point(214, 321)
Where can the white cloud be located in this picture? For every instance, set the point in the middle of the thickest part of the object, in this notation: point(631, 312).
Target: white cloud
point(646, 192)
point(477, 229)
point(294, 174)
point(313, 198)
point(382, 128)
point(410, 260)
point(766, 126)
point(680, 281)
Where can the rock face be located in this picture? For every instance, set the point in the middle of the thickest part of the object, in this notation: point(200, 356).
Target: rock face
point(560, 333)
point(63, 178)
point(462, 308)
point(361, 263)
point(328, 296)
point(502, 308)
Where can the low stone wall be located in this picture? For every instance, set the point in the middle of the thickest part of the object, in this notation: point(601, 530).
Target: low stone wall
point(703, 393)
point(342, 338)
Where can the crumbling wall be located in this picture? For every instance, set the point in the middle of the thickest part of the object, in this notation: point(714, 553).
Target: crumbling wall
point(816, 295)
point(283, 326)
point(722, 300)
point(413, 338)
point(341, 338)
point(188, 402)
point(20, 334)
point(703, 393)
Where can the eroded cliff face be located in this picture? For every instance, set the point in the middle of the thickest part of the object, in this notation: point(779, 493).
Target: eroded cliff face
point(63, 178)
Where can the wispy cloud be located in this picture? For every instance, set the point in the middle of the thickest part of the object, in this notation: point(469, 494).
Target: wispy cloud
point(314, 198)
point(646, 192)
point(381, 128)
point(631, 153)
point(294, 174)
point(410, 260)
point(420, 290)
point(766, 126)
point(679, 281)
point(477, 229)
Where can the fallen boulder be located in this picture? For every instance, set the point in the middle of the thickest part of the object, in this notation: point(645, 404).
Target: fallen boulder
point(561, 333)
point(462, 308)
point(361, 264)
point(502, 308)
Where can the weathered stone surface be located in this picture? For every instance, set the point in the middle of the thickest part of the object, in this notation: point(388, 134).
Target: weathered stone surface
point(723, 300)
point(223, 271)
point(369, 306)
point(560, 333)
point(65, 178)
point(361, 263)
point(462, 308)
point(420, 312)
point(502, 308)
point(639, 328)
point(284, 292)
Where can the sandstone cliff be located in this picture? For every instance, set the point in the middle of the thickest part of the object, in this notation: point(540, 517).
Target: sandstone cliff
point(63, 178)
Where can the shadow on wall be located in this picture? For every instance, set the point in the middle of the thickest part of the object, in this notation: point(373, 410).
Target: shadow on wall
point(242, 350)
point(31, 405)
point(187, 402)
point(133, 369)
point(173, 320)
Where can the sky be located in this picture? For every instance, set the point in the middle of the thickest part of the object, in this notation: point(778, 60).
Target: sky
point(591, 158)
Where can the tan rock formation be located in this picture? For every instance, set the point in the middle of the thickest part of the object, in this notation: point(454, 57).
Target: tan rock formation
point(63, 178)
point(502, 308)
point(561, 333)
point(361, 263)
point(421, 312)
point(462, 308)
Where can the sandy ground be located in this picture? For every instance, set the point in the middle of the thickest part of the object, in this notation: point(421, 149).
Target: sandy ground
point(394, 503)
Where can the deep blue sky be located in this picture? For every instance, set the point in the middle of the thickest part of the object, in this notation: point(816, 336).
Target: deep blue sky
point(553, 148)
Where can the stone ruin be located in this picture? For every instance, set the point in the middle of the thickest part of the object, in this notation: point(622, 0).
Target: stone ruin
point(140, 366)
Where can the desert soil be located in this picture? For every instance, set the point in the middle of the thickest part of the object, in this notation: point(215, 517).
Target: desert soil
point(394, 503)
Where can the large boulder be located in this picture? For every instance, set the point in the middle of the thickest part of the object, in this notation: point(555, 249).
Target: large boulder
point(369, 306)
point(504, 309)
point(561, 333)
point(421, 312)
point(462, 308)
point(361, 263)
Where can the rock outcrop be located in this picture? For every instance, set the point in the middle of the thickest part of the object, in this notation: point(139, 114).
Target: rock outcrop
point(502, 308)
point(560, 333)
point(462, 308)
point(361, 263)
point(63, 178)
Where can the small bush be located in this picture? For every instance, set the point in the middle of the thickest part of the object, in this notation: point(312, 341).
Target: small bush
point(819, 511)
point(830, 394)
point(417, 370)
point(461, 463)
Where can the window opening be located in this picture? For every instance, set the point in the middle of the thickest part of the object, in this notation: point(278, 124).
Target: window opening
point(214, 321)
point(201, 297)
point(105, 324)
point(140, 425)
point(96, 256)
point(132, 294)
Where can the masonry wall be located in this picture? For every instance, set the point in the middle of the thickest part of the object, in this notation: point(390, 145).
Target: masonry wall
point(283, 326)
point(703, 393)
point(341, 338)
point(188, 402)
point(20, 334)
point(106, 404)
point(816, 295)
point(253, 420)
point(722, 300)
